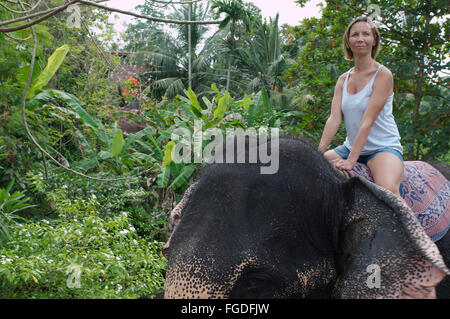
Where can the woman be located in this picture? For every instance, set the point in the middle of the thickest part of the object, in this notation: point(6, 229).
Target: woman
point(364, 95)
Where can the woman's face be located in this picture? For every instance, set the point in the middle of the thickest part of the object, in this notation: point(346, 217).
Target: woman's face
point(361, 38)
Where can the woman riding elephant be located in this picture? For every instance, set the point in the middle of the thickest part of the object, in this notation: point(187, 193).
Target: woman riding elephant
point(364, 96)
point(306, 231)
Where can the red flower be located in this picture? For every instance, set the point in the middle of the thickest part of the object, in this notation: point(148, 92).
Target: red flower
point(132, 79)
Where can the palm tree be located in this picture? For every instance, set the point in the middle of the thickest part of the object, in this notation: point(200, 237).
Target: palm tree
point(262, 61)
point(236, 12)
point(169, 56)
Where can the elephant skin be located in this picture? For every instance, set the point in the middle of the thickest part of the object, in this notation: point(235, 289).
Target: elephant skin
point(303, 232)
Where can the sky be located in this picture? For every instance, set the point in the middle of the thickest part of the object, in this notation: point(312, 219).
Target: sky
point(289, 11)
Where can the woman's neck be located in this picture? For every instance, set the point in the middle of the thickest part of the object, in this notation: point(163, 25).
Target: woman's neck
point(363, 63)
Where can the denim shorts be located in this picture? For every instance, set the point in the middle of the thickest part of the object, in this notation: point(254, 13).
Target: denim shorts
point(343, 151)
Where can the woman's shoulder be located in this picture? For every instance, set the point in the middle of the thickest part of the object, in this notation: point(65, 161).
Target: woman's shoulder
point(343, 75)
point(385, 72)
point(341, 79)
point(384, 80)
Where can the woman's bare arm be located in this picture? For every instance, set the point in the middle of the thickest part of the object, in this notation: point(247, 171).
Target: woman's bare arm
point(335, 118)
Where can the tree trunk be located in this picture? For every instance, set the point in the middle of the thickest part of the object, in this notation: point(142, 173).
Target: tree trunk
point(417, 99)
point(418, 94)
point(189, 48)
point(230, 57)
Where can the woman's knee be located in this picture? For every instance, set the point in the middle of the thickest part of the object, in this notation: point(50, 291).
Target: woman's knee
point(387, 171)
point(393, 187)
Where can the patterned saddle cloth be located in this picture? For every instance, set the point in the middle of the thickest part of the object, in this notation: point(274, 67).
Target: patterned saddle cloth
point(426, 191)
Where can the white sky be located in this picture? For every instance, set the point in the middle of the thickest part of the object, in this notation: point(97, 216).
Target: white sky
point(289, 11)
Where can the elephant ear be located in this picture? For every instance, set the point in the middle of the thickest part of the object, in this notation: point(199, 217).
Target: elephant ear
point(383, 251)
point(176, 214)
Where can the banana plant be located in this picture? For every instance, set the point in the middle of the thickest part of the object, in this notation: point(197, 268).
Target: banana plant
point(112, 141)
point(256, 110)
point(115, 148)
point(192, 113)
point(53, 64)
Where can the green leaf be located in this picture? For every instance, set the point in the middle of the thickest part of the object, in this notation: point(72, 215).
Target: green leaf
point(222, 106)
point(23, 72)
point(76, 104)
point(167, 159)
point(184, 176)
point(159, 152)
point(54, 62)
point(245, 103)
point(8, 188)
point(68, 98)
point(265, 99)
point(196, 112)
point(144, 157)
point(253, 111)
point(211, 123)
point(163, 177)
point(214, 88)
point(194, 101)
point(208, 104)
point(105, 155)
point(47, 95)
point(117, 142)
point(134, 137)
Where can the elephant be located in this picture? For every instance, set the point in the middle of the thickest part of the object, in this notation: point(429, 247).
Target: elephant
point(305, 231)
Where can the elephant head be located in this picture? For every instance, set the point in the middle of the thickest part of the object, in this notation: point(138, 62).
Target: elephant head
point(303, 232)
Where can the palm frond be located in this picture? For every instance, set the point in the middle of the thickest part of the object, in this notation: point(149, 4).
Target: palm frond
point(175, 87)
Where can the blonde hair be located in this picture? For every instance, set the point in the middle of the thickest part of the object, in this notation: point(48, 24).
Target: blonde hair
point(376, 34)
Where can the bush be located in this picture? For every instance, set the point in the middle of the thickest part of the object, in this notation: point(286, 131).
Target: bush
point(80, 255)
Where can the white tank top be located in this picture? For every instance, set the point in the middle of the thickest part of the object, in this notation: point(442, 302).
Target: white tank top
point(384, 131)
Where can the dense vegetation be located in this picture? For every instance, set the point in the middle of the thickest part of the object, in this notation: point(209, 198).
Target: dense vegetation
point(87, 174)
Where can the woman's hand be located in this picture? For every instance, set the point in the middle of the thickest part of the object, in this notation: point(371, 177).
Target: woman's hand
point(343, 165)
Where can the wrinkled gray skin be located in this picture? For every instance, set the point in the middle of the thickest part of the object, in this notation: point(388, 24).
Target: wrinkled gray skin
point(304, 232)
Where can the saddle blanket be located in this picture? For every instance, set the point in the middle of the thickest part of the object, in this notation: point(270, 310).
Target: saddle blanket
point(426, 191)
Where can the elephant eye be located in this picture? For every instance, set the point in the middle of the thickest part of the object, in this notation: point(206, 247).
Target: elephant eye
point(254, 284)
